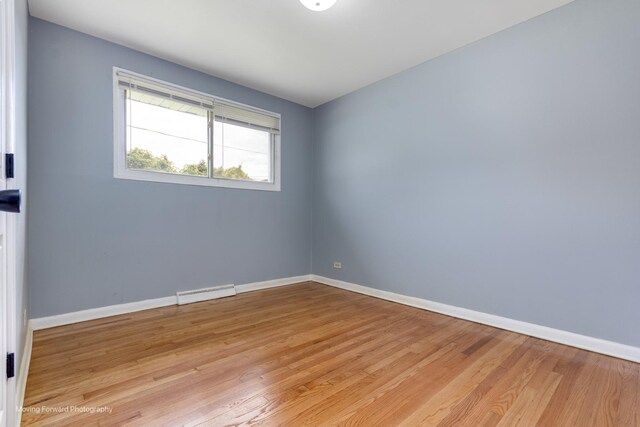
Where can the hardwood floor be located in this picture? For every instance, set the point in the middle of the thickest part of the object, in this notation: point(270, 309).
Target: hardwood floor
point(310, 354)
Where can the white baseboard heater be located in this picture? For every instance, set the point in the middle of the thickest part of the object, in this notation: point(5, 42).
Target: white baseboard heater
point(187, 297)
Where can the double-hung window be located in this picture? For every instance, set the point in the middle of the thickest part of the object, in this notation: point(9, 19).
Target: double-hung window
point(167, 133)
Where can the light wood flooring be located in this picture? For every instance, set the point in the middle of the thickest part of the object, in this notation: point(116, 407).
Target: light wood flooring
point(310, 354)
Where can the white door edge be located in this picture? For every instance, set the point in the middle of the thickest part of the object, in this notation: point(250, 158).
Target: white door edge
point(8, 341)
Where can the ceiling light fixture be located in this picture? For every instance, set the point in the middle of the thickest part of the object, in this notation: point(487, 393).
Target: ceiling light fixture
point(318, 5)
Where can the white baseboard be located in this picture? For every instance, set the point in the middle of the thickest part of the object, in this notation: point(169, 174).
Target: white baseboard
point(100, 312)
point(596, 345)
point(23, 374)
point(132, 307)
point(248, 287)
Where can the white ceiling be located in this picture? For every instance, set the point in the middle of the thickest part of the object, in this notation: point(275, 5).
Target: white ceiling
point(282, 48)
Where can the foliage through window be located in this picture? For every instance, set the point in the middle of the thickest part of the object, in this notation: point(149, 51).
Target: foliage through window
point(170, 134)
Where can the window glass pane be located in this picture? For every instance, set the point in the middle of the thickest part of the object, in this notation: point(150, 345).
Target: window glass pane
point(241, 153)
point(165, 135)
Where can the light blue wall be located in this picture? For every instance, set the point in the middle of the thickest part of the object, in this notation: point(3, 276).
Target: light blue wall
point(95, 240)
point(503, 177)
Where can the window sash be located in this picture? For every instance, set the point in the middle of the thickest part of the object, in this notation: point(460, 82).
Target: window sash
point(272, 149)
point(177, 104)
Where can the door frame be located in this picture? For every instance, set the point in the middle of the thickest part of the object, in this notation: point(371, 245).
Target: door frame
point(8, 299)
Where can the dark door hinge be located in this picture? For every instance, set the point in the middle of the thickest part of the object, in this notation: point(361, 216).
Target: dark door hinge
point(11, 365)
point(8, 165)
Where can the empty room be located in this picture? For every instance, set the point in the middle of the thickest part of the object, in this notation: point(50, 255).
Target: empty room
point(320, 212)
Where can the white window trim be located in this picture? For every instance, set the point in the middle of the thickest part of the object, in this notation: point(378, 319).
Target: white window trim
point(121, 171)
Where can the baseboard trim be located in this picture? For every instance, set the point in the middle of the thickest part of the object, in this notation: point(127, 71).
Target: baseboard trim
point(596, 345)
point(256, 286)
point(23, 374)
point(132, 307)
point(100, 312)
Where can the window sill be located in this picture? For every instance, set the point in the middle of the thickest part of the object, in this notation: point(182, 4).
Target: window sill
point(140, 175)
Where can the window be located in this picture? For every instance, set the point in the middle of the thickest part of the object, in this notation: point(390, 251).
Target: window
point(167, 133)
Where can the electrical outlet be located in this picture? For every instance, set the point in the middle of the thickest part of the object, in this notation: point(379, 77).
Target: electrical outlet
point(337, 264)
point(24, 317)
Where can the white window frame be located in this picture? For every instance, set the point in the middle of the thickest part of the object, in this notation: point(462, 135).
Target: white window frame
point(121, 171)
